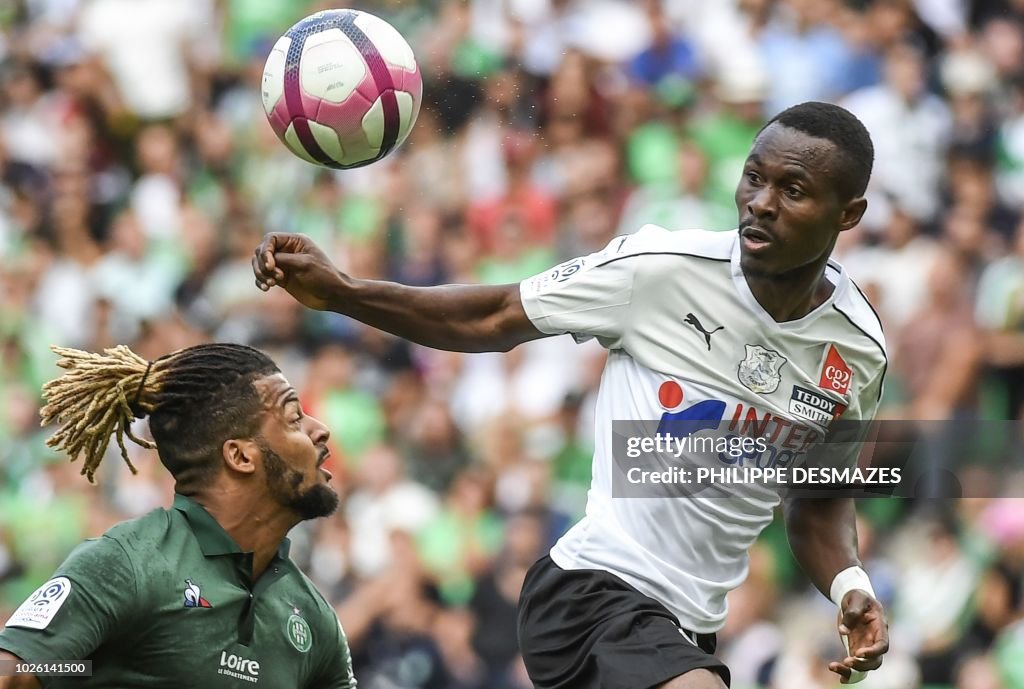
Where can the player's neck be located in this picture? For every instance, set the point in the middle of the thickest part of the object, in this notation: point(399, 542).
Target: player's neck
point(255, 522)
point(791, 296)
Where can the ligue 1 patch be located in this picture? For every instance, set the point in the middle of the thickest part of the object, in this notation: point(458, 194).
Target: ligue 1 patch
point(299, 634)
point(835, 374)
point(557, 275)
point(759, 370)
point(564, 271)
point(814, 406)
point(42, 606)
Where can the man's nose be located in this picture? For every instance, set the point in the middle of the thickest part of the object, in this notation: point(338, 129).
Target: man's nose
point(318, 432)
point(763, 203)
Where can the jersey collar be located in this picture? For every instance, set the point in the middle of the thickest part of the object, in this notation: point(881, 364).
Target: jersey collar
point(834, 273)
point(213, 539)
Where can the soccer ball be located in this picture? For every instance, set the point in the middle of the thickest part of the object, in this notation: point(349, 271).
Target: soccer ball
point(342, 88)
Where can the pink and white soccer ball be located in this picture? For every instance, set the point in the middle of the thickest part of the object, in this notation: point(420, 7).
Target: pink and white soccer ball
point(342, 88)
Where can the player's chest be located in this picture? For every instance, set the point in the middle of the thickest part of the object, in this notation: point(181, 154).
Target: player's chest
point(213, 631)
point(724, 349)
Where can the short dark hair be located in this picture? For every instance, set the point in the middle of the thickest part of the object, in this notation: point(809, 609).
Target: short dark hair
point(196, 399)
point(841, 127)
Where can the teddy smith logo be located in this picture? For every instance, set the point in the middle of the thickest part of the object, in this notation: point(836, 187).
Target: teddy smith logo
point(813, 406)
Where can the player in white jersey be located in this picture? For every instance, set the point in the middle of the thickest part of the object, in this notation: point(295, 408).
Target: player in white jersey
point(754, 330)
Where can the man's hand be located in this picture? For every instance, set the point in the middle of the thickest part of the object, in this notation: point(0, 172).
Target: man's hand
point(296, 263)
point(862, 623)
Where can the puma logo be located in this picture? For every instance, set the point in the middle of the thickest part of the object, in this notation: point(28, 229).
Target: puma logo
point(692, 320)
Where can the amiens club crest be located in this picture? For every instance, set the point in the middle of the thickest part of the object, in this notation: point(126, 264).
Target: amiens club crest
point(759, 371)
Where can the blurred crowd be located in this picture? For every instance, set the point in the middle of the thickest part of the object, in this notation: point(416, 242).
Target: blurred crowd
point(138, 172)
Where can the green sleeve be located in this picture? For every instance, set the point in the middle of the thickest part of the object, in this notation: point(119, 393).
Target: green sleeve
point(92, 595)
point(337, 661)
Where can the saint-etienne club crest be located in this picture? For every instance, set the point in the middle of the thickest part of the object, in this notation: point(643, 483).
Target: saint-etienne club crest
point(759, 371)
point(298, 632)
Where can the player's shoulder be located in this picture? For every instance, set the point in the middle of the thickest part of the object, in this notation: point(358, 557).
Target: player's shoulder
point(654, 240)
point(106, 550)
point(141, 532)
point(101, 561)
point(325, 613)
point(150, 543)
point(861, 318)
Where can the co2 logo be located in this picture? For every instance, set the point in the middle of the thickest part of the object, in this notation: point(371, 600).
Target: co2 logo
point(838, 378)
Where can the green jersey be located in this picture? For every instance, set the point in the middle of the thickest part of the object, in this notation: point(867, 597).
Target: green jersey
point(168, 600)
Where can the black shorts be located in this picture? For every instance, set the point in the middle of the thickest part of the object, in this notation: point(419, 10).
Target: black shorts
point(588, 629)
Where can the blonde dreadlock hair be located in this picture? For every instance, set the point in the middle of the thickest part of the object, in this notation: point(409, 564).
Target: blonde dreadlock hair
point(196, 398)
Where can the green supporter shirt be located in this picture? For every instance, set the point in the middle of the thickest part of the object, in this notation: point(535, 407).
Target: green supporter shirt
point(168, 600)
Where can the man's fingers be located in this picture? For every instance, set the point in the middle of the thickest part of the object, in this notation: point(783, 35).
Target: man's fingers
point(291, 262)
point(266, 262)
point(257, 269)
point(840, 670)
point(875, 650)
point(863, 663)
point(266, 253)
point(847, 674)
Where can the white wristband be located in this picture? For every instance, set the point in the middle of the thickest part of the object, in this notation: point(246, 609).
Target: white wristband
point(849, 579)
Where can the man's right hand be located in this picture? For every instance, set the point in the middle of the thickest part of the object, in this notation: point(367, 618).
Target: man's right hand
point(296, 263)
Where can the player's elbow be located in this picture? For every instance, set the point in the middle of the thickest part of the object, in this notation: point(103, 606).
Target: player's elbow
point(507, 326)
point(495, 335)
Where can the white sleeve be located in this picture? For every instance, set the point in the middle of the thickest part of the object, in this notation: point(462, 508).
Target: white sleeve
point(588, 296)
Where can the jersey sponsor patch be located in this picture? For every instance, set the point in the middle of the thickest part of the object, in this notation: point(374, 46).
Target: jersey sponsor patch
point(814, 406)
point(835, 374)
point(42, 606)
point(239, 667)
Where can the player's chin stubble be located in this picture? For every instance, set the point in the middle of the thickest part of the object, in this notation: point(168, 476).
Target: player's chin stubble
point(283, 483)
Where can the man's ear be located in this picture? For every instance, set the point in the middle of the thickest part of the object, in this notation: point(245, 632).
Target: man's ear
point(240, 455)
point(852, 214)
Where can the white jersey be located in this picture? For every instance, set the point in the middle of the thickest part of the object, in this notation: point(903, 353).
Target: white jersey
point(684, 329)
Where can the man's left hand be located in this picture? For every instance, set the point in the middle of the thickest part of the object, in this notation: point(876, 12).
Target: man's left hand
point(863, 623)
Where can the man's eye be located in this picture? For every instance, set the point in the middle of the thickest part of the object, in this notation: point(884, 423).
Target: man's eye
point(795, 193)
point(753, 178)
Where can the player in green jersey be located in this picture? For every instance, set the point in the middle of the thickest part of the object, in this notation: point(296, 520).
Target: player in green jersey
point(203, 593)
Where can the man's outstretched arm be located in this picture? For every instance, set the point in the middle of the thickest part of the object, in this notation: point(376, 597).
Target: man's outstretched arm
point(460, 318)
point(823, 536)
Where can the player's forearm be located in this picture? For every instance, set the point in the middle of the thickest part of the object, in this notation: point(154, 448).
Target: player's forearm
point(823, 537)
point(460, 318)
point(8, 680)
